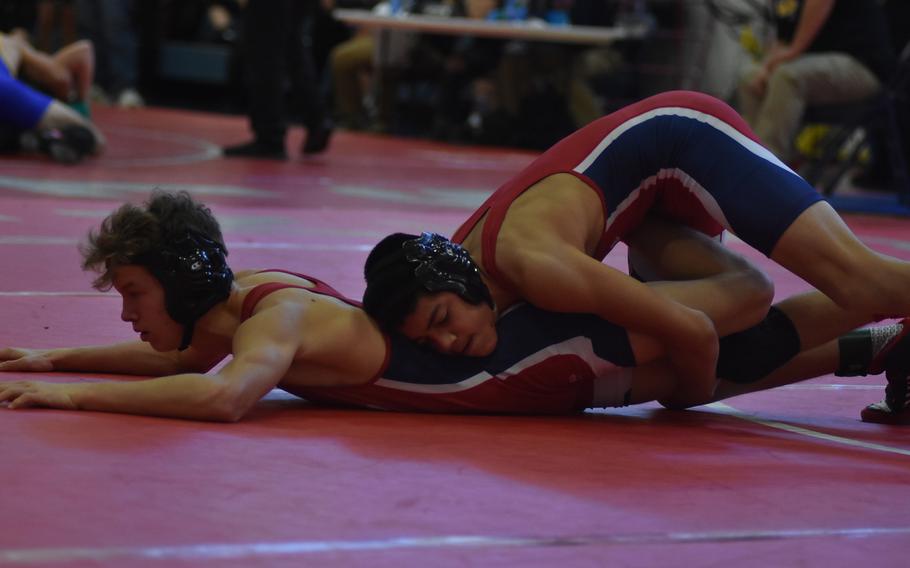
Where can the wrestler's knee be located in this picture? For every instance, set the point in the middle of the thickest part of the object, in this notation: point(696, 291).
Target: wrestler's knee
point(758, 291)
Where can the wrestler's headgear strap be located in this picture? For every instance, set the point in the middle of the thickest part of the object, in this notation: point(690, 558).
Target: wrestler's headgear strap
point(195, 276)
point(444, 266)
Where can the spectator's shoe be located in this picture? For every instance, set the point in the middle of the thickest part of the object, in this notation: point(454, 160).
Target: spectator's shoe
point(256, 149)
point(317, 139)
point(97, 95)
point(67, 145)
point(894, 360)
point(130, 98)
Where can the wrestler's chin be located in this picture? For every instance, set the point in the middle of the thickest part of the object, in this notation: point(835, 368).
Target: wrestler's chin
point(484, 345)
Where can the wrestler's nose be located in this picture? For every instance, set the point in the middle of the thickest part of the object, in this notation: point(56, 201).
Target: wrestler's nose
point(127, 313)
point(443, 340)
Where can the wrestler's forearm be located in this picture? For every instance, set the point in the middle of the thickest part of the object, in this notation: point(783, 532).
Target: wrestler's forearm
point(129, 358)
point(190, 396)
point(815, 14)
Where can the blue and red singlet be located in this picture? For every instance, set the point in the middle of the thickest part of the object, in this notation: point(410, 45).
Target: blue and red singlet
point(544, 363)
point(21, 107)
point(685, 154)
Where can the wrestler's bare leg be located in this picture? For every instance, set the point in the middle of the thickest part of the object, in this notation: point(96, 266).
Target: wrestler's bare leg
point(79, 59)
point(701, 273)
point(820, 248)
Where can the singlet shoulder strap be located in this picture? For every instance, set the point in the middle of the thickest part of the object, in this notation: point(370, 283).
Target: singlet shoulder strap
point(259, 292)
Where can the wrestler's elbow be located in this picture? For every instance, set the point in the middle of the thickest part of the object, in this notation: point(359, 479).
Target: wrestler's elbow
point(231, 402)
point(222, 403)
point(229, 407)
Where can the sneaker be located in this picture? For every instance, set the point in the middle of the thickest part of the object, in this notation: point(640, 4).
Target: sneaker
point(130, 98)
point(97, 95)
point(256, 149)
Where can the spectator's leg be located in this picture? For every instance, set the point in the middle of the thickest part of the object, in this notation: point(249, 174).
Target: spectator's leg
point(810, 79)
point(305, 83)
point(348, 60)
point(264, 52)
point(748, 101)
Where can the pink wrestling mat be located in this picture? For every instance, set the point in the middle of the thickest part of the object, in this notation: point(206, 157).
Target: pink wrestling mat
point(789, 477)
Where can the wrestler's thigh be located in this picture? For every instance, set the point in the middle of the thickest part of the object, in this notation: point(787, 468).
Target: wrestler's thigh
point(820, 248)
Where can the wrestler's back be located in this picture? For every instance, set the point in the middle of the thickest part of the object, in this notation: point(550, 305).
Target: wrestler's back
point(341, 345)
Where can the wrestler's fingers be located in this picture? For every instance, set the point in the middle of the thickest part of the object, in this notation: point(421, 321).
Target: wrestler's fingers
point(26, 363)
point(25, 400)
point(10, 390)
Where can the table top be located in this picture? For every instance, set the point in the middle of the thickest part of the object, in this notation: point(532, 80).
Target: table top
point(523, 30)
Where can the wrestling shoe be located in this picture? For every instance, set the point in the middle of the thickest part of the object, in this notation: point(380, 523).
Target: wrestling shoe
point(894, 361)
point(67, 145)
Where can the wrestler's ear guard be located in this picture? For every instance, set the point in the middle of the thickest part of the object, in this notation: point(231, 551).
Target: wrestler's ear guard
point(195, 276)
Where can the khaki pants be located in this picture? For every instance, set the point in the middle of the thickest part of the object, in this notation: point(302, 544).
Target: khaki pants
point(812, 79)
point(349, 61)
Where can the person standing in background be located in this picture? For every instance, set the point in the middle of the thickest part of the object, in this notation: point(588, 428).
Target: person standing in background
point(277, 52)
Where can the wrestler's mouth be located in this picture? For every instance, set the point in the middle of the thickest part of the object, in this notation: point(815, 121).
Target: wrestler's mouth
point(466, 350)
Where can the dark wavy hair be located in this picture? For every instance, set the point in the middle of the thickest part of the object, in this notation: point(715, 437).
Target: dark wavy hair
point(133, 232)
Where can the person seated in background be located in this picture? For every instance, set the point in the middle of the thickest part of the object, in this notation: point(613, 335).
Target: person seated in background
point(351, 66)
point(824, 52)
point(53, 116)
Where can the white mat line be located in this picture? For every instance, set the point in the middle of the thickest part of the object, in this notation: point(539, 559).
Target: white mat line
point(729, 410)
point(29, 293)
point(23, 240)
point(260, 549)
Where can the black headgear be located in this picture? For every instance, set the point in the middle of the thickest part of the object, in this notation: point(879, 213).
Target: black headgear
point(444, 266)
point(195, 277)
point(403, 267)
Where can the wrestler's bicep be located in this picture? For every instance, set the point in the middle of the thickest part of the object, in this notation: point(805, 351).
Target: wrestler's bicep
point(568, 280)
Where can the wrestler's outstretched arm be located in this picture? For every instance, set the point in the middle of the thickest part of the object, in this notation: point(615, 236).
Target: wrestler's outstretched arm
point(264, 346)
point(127, 358)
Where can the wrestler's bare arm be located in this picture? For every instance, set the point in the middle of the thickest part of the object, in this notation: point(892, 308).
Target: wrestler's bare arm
point(264, 347)
point(559, 277)
point(44, 70)
point(127, 358)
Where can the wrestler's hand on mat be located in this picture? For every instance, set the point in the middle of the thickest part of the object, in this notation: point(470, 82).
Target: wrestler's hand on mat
point(28, 360)
point(24, 394)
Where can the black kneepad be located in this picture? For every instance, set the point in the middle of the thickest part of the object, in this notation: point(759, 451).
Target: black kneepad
point(752, 354)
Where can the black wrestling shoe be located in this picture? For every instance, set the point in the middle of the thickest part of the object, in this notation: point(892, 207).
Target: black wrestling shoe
point(894, 361)
point(67, 145)
point(256, 149)
point(317, 139)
